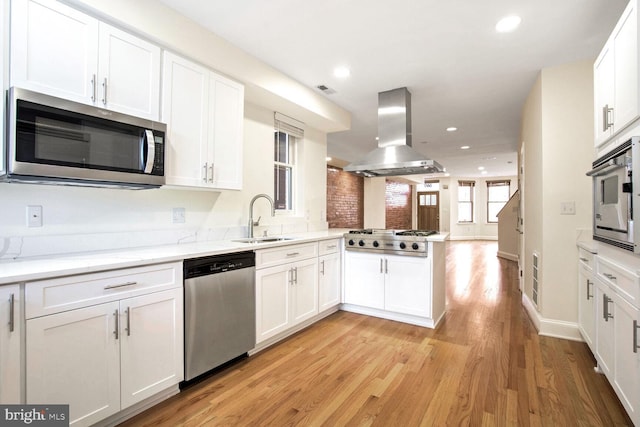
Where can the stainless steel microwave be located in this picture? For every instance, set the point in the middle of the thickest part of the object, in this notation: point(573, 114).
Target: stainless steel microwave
point(613, 196)
point(52, 140)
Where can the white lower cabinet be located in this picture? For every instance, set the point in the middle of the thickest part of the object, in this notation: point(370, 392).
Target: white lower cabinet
point(586, 305)
point(286, 288)
point(123, 346)
point(10, 344)
point(400, 284)
point(617, 331)
point(329, 284)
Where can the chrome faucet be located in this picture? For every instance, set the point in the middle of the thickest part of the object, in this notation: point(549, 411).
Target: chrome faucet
point(251, 223)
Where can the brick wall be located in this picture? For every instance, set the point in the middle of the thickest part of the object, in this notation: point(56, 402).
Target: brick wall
point(398, 205)
point(345, 199)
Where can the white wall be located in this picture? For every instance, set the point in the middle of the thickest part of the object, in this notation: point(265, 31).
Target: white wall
point(508, 235)
point(557, 131)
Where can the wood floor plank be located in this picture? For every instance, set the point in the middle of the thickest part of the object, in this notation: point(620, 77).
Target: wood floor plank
point(484, 365)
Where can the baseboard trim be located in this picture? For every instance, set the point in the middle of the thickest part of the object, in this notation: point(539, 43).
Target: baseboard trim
point(389, 315)
point(507, 255)
point(551, 327)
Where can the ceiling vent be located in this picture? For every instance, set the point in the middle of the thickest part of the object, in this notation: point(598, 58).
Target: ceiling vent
point(326, 90)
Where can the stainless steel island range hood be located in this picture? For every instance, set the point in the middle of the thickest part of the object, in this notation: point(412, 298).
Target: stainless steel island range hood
point(394, 155)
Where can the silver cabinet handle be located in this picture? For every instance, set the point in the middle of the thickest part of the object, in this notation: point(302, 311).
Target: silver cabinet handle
point(293, 254)
point(204, 172)
point(12, 318)
point(332, 246)
point(211, 170)
point(117, 332)
point(609, 276)
point(606, 112)
point(635, 336)
point(589, 283)
point(104, 91)
point(322, 271)
point(386, 266)
point(94, 89)
point(381, 261)
point(295, 271)
point(290, 273)
point(605, 308)
point(584, 259)
point(120, 285)
point(128, 328)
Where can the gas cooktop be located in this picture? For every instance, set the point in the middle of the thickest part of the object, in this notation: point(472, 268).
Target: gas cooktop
point(399, 242)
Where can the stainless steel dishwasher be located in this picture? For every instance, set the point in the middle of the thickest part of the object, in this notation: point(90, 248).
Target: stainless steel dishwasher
point(219, 311)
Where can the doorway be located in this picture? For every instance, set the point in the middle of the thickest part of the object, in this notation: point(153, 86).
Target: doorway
point(428, 210)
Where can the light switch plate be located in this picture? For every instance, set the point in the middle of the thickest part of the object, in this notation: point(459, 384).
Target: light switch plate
point(568, 208)
point(179, 216)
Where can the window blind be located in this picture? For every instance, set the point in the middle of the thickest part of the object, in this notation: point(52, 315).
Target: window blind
point(498, 183)
point(288, 125)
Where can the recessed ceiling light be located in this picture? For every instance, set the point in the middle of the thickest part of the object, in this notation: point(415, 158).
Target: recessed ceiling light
point(508, 24)
point(341, 72)
point(452, 129)
point(480, 168)
point(465, 147)
point(483, 172)
point(328, 159)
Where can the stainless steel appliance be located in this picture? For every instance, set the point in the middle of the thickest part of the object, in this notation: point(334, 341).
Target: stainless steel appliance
point(614, 198)
point(219, 311)
point(52, 140)
point(405, 242)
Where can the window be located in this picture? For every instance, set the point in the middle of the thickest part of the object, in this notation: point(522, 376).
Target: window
point(287, 134)
point(465, 200)
point(497, 196)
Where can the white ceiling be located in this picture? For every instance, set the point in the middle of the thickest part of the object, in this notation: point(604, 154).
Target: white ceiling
point(460, 71)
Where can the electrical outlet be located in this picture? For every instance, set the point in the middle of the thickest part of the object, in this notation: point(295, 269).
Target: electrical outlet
point(179, 216)
point(34, 216)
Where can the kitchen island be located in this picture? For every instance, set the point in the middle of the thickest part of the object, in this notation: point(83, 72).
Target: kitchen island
point(396, 277)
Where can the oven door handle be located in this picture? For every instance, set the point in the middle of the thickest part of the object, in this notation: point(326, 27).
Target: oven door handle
point(148, 142)
point(604, 169)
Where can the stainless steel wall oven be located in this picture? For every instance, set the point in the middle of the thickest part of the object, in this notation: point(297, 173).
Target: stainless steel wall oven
point(615, 194)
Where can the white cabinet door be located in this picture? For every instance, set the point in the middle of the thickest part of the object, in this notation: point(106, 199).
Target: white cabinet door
point(364, 280)
point(204, 113)
point(273, 311)
point(586, 306)
point(185, 108)
point(407, 285)
point(54, 49)
point(10, 354)
point(128, 74)
point(626, 370)
point(151, 330)
point(329, 285)
point(226, 103)
point(63, 52)
point(603, 76)
point(74, 357)
point(625, 48)
point(304, 290)
point(605, 313)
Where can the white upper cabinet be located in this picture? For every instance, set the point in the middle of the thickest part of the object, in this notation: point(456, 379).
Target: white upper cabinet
point(204, 113)
point(617, 101)
point(62, 52)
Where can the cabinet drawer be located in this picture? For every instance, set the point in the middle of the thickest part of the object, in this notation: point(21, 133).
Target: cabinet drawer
point(275, 256)
point(586, 258)
point(50, 296)
point(326, 247)
point(623, 281)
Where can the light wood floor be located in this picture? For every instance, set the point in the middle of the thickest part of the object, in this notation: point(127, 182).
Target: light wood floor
point(484, 365)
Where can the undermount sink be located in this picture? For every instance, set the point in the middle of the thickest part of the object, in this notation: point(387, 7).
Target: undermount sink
point(262, 239)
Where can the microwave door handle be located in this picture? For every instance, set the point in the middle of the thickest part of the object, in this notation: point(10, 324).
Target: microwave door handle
point(604, 169)
point(151, 150)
